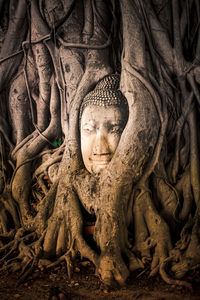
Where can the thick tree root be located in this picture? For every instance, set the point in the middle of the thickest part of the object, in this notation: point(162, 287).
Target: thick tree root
point(67, 258)
point(169, 280)
point(112, 270)
point(187, 249)
point(151, 231)
point(8, 210)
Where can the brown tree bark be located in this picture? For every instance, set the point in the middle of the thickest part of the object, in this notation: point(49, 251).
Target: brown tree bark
point(52, 54)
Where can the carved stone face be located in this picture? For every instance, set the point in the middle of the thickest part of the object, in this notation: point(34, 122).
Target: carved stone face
point(101, 129)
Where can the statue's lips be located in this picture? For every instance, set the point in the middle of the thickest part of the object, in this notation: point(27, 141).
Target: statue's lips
point(101, 161)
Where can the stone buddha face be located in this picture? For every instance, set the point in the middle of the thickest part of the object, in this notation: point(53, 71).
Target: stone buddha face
point(104, 115)
point(101, 129)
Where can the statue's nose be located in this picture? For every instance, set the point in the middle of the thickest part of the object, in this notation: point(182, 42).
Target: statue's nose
point(101, 146)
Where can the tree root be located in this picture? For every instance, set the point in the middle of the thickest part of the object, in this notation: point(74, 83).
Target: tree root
point(151, 232)
point(188, 256)
point(4, 237)
point(27, 257)
point(15, 242)
point(32, 257)
point(8, 208)
point(169, 280)
point(24, 262)
point(67, 258)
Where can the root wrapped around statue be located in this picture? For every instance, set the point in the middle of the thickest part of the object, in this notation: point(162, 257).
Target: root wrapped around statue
point(99, 129)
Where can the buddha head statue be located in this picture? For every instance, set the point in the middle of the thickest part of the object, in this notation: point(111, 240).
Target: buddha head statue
point(103, 116)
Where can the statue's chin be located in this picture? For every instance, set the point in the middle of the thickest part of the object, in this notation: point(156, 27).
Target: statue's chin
point(97, 168)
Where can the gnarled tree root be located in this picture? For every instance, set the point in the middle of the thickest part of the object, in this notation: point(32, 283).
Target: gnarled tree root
point(169, 280)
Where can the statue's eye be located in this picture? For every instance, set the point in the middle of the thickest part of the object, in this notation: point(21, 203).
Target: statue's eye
point(88, 128)
point(115, 128)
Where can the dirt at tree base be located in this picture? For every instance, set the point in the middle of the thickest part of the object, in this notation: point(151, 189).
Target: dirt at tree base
point(84, 284)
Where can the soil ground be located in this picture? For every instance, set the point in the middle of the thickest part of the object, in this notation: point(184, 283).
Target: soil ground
point(44, 284)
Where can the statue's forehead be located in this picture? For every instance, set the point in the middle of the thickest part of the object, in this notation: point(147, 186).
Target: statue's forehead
point(101, 113)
